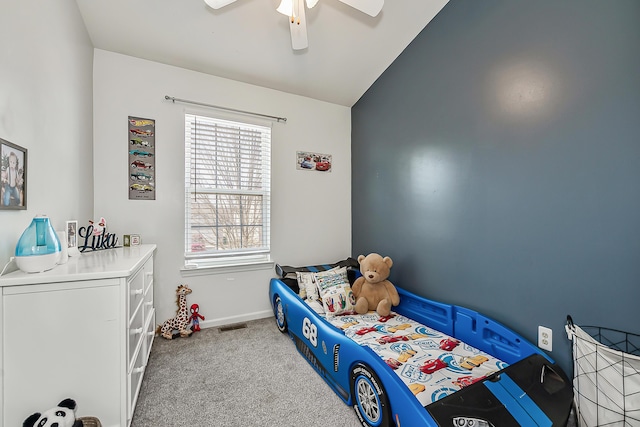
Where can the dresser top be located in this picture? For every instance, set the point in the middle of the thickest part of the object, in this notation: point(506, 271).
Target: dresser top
point(90, 265)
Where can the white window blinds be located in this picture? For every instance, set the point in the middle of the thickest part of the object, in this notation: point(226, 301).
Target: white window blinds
point(228, 182)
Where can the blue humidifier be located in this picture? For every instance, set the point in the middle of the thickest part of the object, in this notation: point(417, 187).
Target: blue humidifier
point(39, 248)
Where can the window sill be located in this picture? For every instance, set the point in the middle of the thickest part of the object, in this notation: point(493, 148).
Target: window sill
point(231, 267)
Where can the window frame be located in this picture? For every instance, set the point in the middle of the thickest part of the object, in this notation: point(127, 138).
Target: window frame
point(234, 259)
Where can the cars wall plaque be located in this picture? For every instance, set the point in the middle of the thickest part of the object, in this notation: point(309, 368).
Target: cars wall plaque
point(306, 160)
point(141, 147)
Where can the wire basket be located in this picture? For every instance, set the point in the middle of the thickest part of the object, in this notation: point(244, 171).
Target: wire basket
point(606, 376)
point(90, 422)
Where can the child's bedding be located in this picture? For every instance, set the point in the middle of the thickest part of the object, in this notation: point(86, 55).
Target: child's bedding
point(433, 365)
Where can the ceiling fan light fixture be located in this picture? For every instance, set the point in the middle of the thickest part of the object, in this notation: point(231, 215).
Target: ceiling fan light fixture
point(295, 10)
point(291, 8)
point(286, 7)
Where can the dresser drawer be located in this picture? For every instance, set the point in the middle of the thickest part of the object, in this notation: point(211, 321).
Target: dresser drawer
point(136, 332)
point(147, 304)
point(134, 381)
point(136, 292)
point(148, 273)
point(150, 332)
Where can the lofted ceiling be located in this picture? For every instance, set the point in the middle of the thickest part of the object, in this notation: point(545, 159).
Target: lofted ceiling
point(249, 41)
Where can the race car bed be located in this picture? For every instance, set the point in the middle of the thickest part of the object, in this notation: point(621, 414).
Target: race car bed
point(427, 364)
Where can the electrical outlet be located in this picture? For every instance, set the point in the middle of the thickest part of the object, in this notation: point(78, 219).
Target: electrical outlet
point(545, 338)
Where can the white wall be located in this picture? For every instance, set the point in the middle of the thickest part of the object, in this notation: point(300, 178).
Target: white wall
point(45, 107)
point(311, 211)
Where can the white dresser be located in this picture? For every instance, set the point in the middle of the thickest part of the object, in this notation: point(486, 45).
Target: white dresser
point(83, 330)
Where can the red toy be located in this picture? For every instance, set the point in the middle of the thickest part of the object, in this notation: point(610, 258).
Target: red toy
point(195, 317)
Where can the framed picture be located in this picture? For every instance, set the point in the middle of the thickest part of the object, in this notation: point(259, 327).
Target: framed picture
point(309, 161)
point(13, 193)
point(72, 234)
point(132, 240)
point(72, 238)
point(142, 158)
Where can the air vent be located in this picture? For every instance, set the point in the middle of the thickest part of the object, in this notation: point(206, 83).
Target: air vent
point(232, 327)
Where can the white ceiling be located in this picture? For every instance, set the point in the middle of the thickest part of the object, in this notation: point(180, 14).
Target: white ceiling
point(250, 42)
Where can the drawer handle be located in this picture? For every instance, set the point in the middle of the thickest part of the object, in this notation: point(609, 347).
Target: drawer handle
point(137, 292)
point(152, 333)
point(150, 303)
point(135, 331)
point(137, 370)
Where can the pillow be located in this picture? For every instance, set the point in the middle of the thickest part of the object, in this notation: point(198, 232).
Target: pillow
point(335, 292)
point(307, 284)
point(316, 306)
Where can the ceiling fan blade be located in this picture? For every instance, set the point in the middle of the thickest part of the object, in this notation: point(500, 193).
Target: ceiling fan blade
point(298, 29)
point(217, 4)
point(370, 7)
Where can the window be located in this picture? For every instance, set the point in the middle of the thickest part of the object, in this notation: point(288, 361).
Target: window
point(228, 180)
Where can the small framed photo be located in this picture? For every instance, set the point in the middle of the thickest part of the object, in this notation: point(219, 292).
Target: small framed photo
point(72, 237)
point(131, 240)
point(72, 234)
point(13, 192)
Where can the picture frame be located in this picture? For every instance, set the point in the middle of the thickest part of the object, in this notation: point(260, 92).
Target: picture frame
point(72, 237)
point(72, 234)
point(131, 240)
point(141, 172)
point(13, 186)
point(310, 161)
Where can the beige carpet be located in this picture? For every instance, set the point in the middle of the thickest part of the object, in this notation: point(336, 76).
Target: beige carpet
point(242, 377)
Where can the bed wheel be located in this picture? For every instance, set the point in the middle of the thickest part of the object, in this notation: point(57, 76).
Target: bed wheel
point(281, 320)
point(369, 398)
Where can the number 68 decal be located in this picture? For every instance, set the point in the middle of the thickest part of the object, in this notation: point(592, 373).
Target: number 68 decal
point(310, 331)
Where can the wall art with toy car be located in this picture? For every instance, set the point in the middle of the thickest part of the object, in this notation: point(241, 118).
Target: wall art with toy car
point(142, 158)
point(313, 161)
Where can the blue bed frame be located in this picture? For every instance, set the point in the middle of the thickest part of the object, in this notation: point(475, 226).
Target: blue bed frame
point(531, 391)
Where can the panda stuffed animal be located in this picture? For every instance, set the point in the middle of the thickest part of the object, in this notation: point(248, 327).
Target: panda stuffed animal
point(63, 415)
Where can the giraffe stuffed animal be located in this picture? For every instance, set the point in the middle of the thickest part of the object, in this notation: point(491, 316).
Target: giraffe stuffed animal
point(181, 321)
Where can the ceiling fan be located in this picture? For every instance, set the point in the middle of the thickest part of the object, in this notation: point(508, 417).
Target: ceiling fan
point(294, 9)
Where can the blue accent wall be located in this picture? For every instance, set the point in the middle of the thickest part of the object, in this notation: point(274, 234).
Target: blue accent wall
point(497, 162)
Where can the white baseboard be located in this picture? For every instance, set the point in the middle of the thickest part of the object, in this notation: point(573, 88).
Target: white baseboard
point(223, 321)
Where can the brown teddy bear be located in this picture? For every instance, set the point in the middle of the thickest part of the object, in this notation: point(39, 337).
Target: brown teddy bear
point(372, 290)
